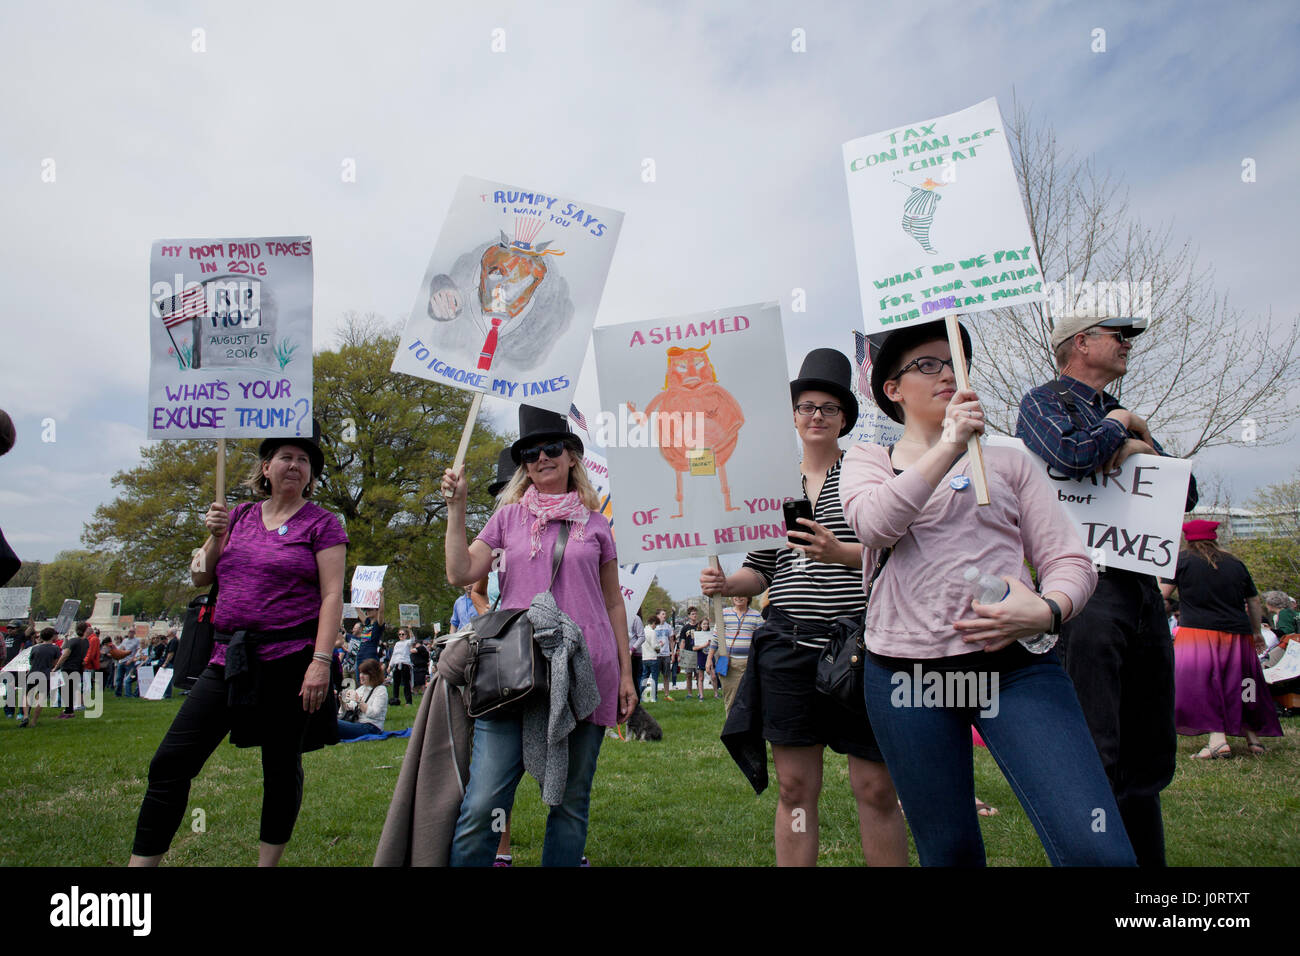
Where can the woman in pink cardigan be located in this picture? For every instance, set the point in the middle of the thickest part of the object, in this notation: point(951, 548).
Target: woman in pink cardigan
point(939, 662)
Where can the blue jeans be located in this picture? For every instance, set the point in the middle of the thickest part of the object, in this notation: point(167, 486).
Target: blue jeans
point(1041, 743)
point(125, 678)
point(650, 670)
point(352, 729)
point(495, 768)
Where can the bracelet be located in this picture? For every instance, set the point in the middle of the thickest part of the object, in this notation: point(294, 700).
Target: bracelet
point(322, 657)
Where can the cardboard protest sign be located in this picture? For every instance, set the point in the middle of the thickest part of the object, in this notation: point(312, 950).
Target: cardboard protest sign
point(230, 325)
point(873, 426)
point(634, 580)
point(1287, 667)
point(67, 614)
point(508, 300)
point(141, 630)
point(938, 224)
point(366, 582)
point(699, 432)
point(350, 611)
point(1132, 519)
point(15, 602)
point(143, 676)
point(21, 662)
point(408, 615)
point(157, 686)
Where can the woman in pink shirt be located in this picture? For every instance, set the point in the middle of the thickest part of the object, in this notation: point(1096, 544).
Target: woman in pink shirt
point(937, 661)
point(549, 489)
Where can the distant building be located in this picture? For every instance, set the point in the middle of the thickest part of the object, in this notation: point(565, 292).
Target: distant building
point(1246, 523)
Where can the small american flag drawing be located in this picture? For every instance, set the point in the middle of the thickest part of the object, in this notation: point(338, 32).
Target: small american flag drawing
point(577, 416)
point(179, 309)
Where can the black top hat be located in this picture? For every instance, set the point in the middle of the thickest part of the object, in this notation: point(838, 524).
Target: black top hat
point(505, 471)
point(537, 426)
point(886, 347)
point(828, 370)
point(310, 445)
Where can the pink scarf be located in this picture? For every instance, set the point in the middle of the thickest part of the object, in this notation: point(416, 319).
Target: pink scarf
point(567, 507)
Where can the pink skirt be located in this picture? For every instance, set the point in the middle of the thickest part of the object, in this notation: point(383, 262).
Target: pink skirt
point(1219, 685)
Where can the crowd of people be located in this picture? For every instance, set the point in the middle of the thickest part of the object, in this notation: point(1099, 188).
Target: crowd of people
point(1074, 665)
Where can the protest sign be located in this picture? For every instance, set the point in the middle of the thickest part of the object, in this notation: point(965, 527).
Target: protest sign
point(508, 300)
point(21, 662)
point(158, 685)
point(634, 580)
point(143, 676)
point(230, 337)
point(1287, 667)
point(873, 426)
point(67, 614)
point(694, 428)
point(366, 582)
point(350, 611)
point(408, 615)
point(141, 630)
point(15, 602)
point(938, 224)
point(1132, 519)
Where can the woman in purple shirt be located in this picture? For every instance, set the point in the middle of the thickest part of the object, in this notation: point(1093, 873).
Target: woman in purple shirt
point(279, 566)
point(550, 487)
point(938, 662)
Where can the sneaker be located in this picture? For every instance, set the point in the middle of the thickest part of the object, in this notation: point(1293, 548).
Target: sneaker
point(503, 859)
point(669, 697)
point(585, 862)
point(22, 722)
point(66, 716)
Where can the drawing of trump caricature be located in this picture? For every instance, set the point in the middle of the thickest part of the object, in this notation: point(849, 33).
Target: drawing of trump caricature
point(503, 286)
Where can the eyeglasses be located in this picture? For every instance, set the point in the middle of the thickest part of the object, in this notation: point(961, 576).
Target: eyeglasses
point(552, 449)
point(808, 410)
point(1098, 333)
point(926, 365)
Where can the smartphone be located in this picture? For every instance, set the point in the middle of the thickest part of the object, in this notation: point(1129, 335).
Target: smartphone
point(801, 508)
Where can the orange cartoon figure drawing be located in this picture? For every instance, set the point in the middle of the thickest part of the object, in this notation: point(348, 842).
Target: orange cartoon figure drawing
point(691, 389)
point(507, 275)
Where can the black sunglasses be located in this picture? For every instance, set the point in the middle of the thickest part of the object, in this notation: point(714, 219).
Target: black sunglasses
point(552, 448)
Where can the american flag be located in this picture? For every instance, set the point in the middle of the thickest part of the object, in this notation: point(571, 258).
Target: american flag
point(577, 416)
point(860, 348)
point(179, 309)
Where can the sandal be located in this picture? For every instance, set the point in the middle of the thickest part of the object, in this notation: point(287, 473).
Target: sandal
point(1256, 750)
point(984, 810)
point(1224, 751)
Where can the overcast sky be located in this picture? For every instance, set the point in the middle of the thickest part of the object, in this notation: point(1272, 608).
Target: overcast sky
point(150, 138)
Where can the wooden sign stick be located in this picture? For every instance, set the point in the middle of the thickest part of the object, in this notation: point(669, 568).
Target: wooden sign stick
point(221, 470)
point(719, 605)
point(963, 382)
point(465, 435)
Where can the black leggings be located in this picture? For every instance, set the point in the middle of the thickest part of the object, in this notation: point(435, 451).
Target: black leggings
point(402, 679)
point(201, 724)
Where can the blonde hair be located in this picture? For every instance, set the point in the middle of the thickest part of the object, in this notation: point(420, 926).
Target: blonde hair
point(578, 481)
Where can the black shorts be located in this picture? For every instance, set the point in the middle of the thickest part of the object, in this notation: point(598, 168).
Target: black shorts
point(795, 714)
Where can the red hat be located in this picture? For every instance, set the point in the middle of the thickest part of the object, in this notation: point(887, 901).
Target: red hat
point(1200, 530)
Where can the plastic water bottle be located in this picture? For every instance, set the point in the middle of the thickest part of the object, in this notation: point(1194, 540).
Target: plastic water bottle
point(991, 590)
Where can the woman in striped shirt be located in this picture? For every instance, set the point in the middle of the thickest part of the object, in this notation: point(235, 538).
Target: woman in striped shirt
point(810, 586)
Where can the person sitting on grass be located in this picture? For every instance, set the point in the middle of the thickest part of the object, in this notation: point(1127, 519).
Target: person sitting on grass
point(364, 710)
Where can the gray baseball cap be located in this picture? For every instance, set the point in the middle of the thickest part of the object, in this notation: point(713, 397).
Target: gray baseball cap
point(1068, 328)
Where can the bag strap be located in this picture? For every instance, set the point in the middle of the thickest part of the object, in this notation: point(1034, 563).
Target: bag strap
point(561, 540)
point(1068, 400)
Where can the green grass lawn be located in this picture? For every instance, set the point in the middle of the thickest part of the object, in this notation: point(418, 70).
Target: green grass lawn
point(74, 788)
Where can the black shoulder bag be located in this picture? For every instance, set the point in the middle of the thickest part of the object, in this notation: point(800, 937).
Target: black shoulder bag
point(197, 633)
point(839, 668)
point(506, 666)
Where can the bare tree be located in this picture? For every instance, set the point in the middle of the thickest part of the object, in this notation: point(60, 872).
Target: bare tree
point(1203, 374)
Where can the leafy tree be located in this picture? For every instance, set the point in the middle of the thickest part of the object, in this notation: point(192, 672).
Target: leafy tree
point(655, 598)
point(75, 575)
point(386, 438)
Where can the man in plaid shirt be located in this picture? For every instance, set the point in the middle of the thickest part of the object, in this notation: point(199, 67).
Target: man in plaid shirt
point(1118, 650)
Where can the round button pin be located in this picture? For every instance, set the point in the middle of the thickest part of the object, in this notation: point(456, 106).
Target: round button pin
point(284, 529)
point(959, 483)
